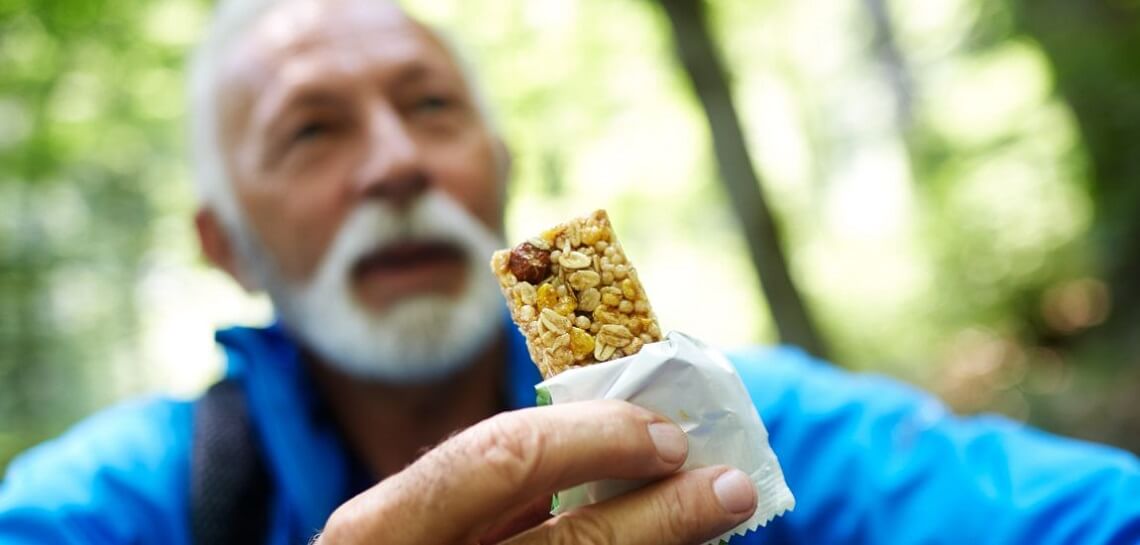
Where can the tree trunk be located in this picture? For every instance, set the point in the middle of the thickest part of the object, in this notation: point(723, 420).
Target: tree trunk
point(698, 57)
point(1094, 49)
point(895, 70)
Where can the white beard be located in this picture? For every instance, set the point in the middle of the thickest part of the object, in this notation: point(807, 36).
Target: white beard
point(420, 338)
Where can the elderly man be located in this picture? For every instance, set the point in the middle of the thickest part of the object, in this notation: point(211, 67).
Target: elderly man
point(348, 168)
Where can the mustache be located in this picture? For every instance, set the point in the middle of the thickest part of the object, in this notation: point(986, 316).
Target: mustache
point(375, 232)
point(434, 226)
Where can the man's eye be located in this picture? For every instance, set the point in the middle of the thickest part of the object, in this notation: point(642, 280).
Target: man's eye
point(433, 103)
point(310, 131)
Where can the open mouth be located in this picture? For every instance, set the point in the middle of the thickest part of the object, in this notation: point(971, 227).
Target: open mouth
point(409, 256)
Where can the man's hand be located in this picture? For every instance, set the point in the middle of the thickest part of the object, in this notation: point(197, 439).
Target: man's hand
point(485, 485)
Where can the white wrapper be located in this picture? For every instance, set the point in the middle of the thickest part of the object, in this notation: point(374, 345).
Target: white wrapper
point(697, 388)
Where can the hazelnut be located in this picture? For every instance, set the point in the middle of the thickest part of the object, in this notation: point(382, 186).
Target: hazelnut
point(529, 263)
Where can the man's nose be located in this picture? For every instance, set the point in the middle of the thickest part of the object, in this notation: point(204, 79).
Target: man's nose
point(394, 169)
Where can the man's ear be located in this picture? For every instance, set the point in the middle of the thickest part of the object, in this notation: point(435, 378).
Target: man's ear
point(504, 159)
point(504, 163)
point(218, 248)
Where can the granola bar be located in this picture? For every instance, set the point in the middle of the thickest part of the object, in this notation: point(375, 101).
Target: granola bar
point(575, 296)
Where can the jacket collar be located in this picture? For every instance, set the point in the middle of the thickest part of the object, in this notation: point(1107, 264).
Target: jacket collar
point(311, 466)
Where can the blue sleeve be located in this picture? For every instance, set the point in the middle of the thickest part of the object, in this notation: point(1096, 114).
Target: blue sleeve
point(118, 477)
point(872, 461)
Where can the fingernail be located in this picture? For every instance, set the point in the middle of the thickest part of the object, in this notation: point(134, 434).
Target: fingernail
point(671, 443)
point(735, 492)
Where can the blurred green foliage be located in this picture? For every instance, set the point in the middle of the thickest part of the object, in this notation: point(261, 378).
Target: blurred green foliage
point(90, 104)
point(957, 181)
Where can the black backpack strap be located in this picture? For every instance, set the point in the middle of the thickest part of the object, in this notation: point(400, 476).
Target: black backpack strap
point(230, 488)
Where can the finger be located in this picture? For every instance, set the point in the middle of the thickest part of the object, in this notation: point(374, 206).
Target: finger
point(491, 469)
point(690, 507)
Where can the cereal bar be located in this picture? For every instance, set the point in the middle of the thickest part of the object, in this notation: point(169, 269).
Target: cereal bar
point(575, 296)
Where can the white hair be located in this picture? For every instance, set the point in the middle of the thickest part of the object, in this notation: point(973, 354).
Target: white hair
point(231, 19)
point(419, 338)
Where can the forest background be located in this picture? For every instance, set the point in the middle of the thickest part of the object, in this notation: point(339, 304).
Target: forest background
point(947, 191)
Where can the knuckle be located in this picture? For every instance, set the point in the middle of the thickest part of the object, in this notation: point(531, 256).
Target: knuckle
point(582, 527)
point(510, 446)
point(339, 526)
point(672, 507)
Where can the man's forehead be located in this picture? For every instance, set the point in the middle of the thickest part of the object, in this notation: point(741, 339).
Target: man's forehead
point(331, 35)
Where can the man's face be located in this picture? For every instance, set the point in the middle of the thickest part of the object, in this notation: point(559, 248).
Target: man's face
point(369, 186)
point(329, 104)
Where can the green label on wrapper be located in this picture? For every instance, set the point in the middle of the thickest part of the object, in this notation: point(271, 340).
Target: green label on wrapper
point(542, 397)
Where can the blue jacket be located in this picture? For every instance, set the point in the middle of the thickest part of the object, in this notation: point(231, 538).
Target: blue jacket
point(869, 460)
